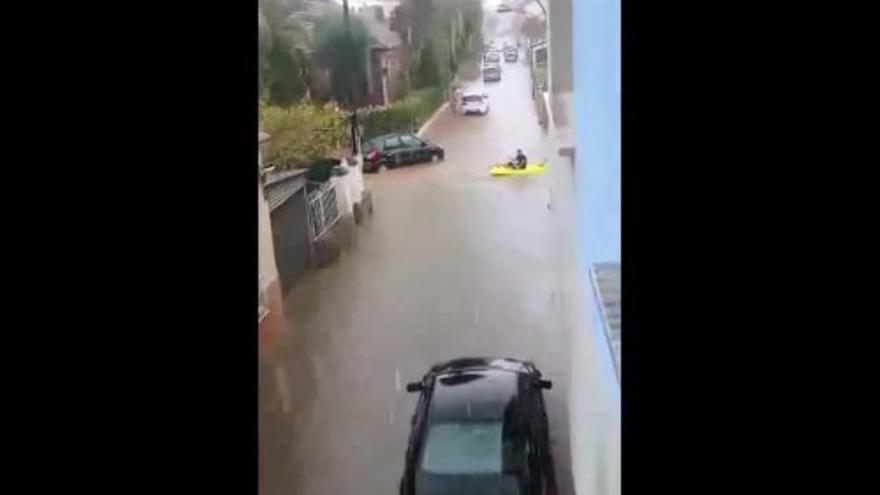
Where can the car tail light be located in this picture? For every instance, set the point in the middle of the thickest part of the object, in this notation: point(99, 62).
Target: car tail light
point(373, 154)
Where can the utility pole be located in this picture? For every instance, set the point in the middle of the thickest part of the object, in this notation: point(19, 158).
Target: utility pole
point(353, 82)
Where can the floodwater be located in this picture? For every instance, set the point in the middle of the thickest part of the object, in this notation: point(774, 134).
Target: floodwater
point(452, 263)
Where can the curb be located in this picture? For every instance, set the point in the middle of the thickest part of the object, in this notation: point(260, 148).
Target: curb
point(431, 120)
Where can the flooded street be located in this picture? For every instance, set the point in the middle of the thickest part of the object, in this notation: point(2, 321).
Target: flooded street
point(452, 263)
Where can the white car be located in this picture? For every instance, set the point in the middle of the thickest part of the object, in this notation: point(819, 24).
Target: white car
point(471, 102)
point(491, 72)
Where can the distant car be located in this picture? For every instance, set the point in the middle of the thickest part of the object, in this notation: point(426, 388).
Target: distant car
point(480, 426)
point(472, 102)
point(492, 57)
point(394, 150)
point(491, 73)
point(510, 55)
point(503, 8)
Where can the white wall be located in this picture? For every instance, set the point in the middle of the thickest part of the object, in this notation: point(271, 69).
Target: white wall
point(349, 187)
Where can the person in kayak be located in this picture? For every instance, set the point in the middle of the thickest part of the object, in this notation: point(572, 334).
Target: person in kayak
point(520, 160)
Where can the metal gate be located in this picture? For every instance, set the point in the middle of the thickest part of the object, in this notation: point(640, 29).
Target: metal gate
point(323, 212)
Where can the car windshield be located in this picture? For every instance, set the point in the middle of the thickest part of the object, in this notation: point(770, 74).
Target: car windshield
point(463, 448)
point(473, 99)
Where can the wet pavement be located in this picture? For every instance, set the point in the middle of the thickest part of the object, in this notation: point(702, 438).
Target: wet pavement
point(452, 263)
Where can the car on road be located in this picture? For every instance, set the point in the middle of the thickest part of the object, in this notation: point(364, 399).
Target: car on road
point(480, 426)
point(473, 102)
point(510, 54)
point(503, 8)
point(394, 150)
point(492, 57)
point(491, 73)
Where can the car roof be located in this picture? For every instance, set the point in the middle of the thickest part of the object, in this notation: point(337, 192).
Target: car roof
point(390, 135)
point(473, 395)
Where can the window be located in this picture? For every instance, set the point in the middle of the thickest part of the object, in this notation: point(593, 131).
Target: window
point(463, 448)
point(392, 143)
point(473, 99)
point(410, 141)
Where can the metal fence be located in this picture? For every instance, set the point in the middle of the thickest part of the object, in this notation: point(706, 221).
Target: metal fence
point(323, 212)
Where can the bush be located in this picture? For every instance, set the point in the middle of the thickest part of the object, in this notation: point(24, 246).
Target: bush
point(321, 169)
point(406, 115)
point(301, 133)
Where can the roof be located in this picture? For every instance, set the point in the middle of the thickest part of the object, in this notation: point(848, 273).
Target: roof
point(473, 395)
point(485, 362)
point(389, 135)
point(473, 91)
point(280, 186)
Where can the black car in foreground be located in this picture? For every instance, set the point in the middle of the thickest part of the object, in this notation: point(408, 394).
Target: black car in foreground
point(479, 428)
point(394, 150)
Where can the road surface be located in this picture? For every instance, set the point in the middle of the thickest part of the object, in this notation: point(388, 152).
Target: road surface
point(453, 263)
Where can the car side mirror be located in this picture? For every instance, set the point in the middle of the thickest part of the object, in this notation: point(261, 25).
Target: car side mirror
point(544, 384)
point(414, 387)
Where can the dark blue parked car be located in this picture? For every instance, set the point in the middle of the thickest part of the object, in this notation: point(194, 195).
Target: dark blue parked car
point(479, 428)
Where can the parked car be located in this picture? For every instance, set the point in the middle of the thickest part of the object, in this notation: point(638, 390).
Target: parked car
point(480, 426)
point(472, 102)
point(394, 150)
point(491, 73)
point(510, 55)
point(492, 57)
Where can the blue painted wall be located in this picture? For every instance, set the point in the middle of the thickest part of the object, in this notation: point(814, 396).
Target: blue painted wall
point(595, 411)
point(597, 135)
point(597, 126)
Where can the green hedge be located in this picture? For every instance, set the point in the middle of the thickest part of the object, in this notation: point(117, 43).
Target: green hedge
point(301, 133)
point(404, 116)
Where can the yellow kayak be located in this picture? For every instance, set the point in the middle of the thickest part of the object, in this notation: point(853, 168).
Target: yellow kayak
point(531, 169)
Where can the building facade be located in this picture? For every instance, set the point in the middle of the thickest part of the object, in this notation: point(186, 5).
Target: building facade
point(595, 414)
point(560, 81)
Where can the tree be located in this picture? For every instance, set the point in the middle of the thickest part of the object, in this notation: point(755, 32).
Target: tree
point(427, 73)
point(285, 76)
point(283, 66)
point(344, 58)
